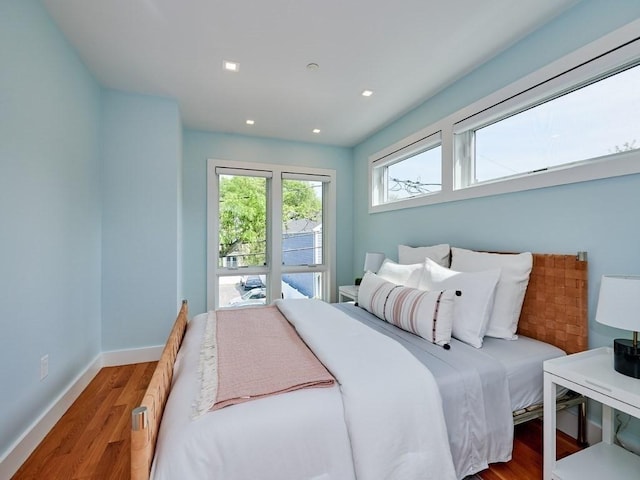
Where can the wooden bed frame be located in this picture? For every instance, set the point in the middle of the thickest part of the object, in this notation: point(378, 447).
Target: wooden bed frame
point(145, 419)
point(554, 311)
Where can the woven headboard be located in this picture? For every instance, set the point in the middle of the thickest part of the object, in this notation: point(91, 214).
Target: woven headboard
point(555, 305)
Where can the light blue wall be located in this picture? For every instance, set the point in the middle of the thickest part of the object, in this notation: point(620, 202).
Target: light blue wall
point(140, 219)
point(103, 208)
point(600, 217)
point(200, 146)
point(49, 215)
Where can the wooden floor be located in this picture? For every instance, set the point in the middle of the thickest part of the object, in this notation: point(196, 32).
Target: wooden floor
point(526, 463)
point(91, 440)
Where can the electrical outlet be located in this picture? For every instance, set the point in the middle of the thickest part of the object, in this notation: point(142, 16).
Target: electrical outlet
point(44, 366)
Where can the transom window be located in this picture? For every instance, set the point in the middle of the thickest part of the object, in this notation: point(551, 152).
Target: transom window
point(577, 119)
point(594, 121)
point(410, 172)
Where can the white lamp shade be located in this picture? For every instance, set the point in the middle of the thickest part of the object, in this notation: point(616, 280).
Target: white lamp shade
point(373, 261)
point(619, 302)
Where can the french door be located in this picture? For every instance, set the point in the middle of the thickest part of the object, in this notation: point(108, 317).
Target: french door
point(271, 233)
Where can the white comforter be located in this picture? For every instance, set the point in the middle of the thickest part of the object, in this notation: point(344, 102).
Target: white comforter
point(385, 420)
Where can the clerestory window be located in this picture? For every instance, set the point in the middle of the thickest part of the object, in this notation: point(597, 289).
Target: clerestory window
point(575, 120)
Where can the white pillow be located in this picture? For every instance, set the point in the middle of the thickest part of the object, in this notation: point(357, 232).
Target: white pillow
point(427, 314)
point(514, 278)
point(472, 309)
point(407, 275)
point(437, 253)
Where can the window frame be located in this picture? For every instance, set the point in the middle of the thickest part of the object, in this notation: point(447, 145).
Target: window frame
point(273, 270)
point(609, 53)
point(378, 168)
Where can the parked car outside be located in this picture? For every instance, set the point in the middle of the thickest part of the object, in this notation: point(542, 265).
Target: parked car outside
point(255, 296)
point(251, 281)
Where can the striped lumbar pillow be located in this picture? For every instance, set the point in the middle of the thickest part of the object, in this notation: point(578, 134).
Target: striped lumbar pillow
point(427, 314)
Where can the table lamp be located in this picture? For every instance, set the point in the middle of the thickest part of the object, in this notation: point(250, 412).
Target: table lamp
point(619, 307)
point(372, 263)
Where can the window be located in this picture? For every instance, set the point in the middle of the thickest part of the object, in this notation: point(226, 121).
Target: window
point(412, 171)
point(575, 120)
point(271, 233)
point(597, 120)
point(242, 217)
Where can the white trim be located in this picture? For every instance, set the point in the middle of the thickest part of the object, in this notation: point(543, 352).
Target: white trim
point(306, 177)
point(24, 446)
point(17, 453)
point(571, 80)
point(582, 55)
point(567, 422)
point(253, 172)
point(415, 144)
point(408, 149)
point(114, 358)
point(627, 163)
point(604, 167)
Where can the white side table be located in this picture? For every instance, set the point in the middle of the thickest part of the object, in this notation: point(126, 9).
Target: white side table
point(590, 373)
point(348, 293)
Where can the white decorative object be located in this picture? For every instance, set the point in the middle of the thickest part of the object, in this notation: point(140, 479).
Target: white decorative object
point(427, 314)
point(512, 286)
point(407, 275)
point(619, 307)
point(472, 309)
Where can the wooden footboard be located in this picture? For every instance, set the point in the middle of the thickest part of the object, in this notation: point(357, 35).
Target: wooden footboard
point(145, 419)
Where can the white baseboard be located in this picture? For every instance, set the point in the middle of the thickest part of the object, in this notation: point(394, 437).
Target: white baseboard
point(567, 422)
point(20, 450)
point(17, 453)
point(113, 358)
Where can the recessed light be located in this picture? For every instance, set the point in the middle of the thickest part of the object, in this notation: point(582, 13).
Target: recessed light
point(367, 93)
point(316, 130)
point(313, 66)
point(231, 66)
point(250, 122)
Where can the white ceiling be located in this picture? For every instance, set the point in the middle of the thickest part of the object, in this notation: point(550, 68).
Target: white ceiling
point(403, 50)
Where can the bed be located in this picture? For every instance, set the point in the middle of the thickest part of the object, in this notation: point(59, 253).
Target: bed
point(554, 312)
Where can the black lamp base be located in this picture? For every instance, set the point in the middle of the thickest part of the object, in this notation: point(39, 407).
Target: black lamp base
point(626, 357)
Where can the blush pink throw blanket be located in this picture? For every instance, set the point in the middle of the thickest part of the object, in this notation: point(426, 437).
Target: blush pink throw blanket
point(260, 354)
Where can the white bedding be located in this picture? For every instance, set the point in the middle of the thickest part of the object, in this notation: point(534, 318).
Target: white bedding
point(474, 391)
point(219, 446)
point(480, 387)
point(385, 420)
point(522, 360)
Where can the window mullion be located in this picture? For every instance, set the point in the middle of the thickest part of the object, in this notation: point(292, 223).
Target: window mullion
point(274, 243)
point(448, 154)
point(213, 208)
point(464, 159)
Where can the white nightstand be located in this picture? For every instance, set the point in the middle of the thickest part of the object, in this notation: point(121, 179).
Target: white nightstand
point(590, 373)
point(347, 293)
